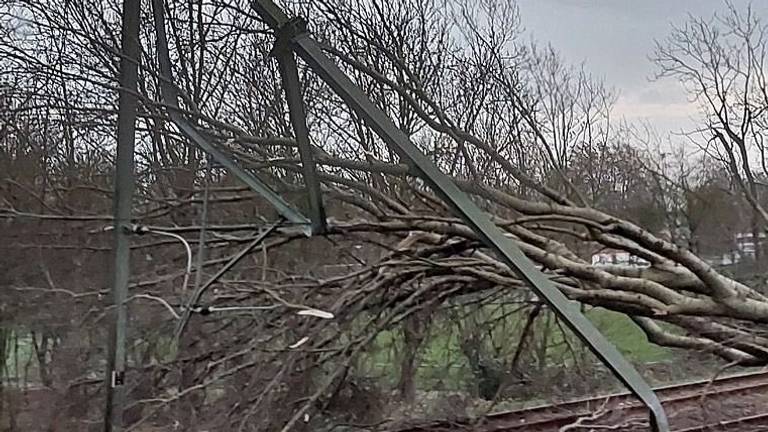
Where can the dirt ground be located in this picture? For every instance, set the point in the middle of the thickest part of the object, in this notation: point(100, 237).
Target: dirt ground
point(40, 408)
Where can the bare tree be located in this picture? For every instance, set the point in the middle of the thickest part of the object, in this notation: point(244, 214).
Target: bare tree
point(721, 62)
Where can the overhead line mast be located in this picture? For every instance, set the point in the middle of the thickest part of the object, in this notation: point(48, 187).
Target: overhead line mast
point(123, 200)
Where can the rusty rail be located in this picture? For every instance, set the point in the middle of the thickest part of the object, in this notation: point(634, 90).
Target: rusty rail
point(753, 422)
point(553, 416)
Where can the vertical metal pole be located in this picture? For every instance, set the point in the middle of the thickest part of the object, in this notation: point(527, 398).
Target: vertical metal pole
point(124, 185)
point(289, 73)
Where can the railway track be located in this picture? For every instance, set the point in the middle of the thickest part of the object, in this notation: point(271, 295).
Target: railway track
point(753, 422)
point(622, 408)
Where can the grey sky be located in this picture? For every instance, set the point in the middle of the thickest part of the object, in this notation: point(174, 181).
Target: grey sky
point(615, 38)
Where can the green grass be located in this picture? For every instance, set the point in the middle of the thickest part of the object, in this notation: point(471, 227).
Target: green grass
point(627, 337)
point(441, 359)
point(18, 356)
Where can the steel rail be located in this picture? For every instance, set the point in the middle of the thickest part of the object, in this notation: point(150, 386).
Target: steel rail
point(552, 416)
point(622, 396)
point(755, 421)
point(310, 51)
point(626, 408)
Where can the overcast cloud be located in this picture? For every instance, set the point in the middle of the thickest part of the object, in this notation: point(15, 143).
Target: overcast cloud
point(615, 38)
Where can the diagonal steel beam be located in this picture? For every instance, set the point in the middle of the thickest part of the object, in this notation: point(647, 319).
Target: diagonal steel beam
point(309, 50)
point(289, 213)
point(289, 74)
point(170, 97)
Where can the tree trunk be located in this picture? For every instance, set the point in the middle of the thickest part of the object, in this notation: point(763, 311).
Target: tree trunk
point(414, 332)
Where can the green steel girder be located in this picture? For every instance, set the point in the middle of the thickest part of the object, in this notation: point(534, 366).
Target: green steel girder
point(289, 73)
point(124, 186)
point(170, 97)
point(309, 50)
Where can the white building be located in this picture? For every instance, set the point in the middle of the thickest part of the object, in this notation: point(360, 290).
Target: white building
point(619, 258)
point(745, 243)
point(745, 249)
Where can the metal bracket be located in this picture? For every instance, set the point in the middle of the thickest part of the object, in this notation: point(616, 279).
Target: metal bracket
point(118, 378)
point(286, 33)
point(198, 293)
